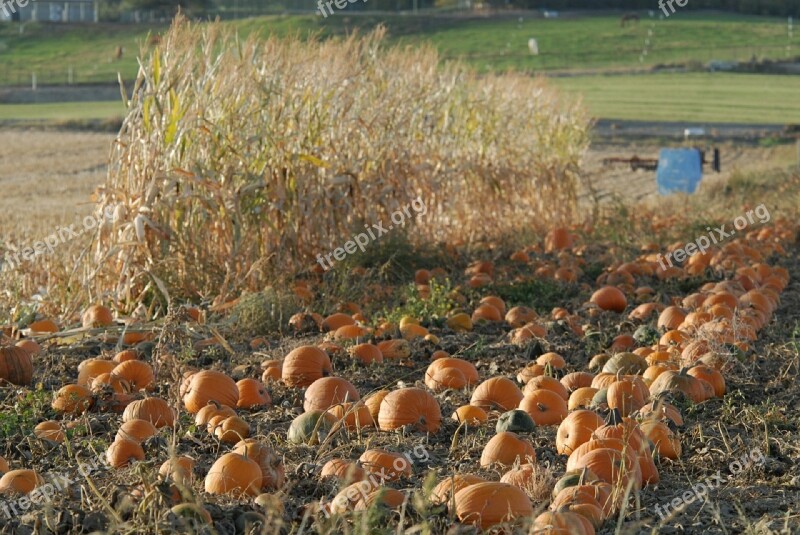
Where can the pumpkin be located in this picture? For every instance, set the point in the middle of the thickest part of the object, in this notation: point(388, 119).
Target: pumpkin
point(252, 393)
point(575, 380)
point(123, 451)
point(311, 428)
point(581, 398)
point(546, 383)
point(571, 478)
point(354, 415)
point(179, 469)
point(576, 429)
point(272, 370)
point(496, 302)
point(660, 409)
point(366, 353)
point(545, 407)
point(350, 332)
point(232, 430)
point(626, 364)
point(20, 482)
point(459, 322)
point(72, 399)
point(529, 372)
point(486, 312)
point(678, 382)
point(410, 406)
point(3, 465)
point(530, 477)
point(445, 378)
point(624, 395)
point(49, 430)
point(520, 315)
point(110, 381)
point(16, 366)
point(388, 465)
point(506, 449)
point(97, 316)
point(497, 393)
point(373, 402)
point(304, 365)
point(467, 369)
point(395, 349)
point(470, 414)
point(29, 345)
point(155, 410)
point(562, 522)
point(517, 421)
point(234, 474)
point(666, 443)
point(336, 321)
point(210, 385)
point(346, 472)
point(610, 298)
point(490, 503)
point(711, 376)
point(614, 467)
point(349, 496)
point(273, 471)
point(528, 332)
point(381, 497)
point(136, 430)
point(43, 326)
point(444, 491)
point(670, 318)
point(326, 392)
point(137, 373)
point(213, 408)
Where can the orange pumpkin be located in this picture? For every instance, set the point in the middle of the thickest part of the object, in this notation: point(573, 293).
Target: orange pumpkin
point(326, 392)
point(545, 407)
point(576, 429)
point(410, 406)
point(497, 393)
point(210, 385)
point(234, 474)
point(506, 449)
point(610, 298)
point(490, 503)
point(304, 365)
point(16, 366)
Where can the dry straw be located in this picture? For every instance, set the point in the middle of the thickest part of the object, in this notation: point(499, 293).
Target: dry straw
point(240, 160)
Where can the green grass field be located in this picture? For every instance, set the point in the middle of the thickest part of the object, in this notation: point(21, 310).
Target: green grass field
point(700, 97)
point(578, 44)
point(67, 111)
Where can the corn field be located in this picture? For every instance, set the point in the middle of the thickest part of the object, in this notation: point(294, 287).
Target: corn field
point(238, 159)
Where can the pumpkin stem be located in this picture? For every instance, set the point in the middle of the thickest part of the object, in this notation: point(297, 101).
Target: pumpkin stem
point(614, 417)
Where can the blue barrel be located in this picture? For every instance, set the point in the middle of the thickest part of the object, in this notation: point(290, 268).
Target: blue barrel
point(679, 170)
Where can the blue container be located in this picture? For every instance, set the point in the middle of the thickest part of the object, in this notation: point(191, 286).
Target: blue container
point(679, 170)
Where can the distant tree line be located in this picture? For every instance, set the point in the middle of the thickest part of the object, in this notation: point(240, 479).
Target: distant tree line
point(210, 7)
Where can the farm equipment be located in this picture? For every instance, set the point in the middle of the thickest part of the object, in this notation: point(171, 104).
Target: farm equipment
point(676, 169)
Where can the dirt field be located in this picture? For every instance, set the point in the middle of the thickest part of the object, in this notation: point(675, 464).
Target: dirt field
point(46, 178)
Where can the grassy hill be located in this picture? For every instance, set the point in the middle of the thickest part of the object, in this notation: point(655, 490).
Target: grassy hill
point(87, 53)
